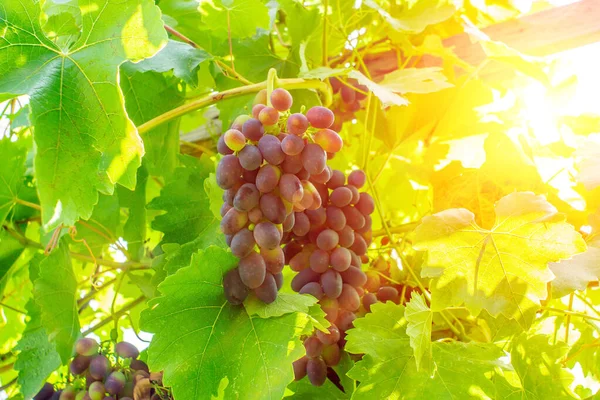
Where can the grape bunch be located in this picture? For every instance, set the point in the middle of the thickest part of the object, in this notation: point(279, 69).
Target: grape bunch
point(346, 101)
point(96, 373)
point(382, 284)
point(274, 167)
point(327, 248)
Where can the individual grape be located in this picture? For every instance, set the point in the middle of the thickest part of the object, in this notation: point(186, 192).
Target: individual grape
point(250, 157)
point(300, 368)
point(341, 196)
point(328, 239)
point(267, 178)
point(368, 300)
point(253, 129)
point(353, 217)
point(99, 366)
point(330, 307)
point(348, 95)
point(313, 347)
point(291, 188)
point(288, 222)
point(270, 148)
point(246, 198)
point(242, 243)
point(82, 396)
point(86, 347)
point(139, 365)
point(316, 370)
point(316, 217)
point(357, 178)
point(336, 85)
point(320, 117)
point(300, 261)
point(331, 337)
point(388, 293)
point(331, 281)
point(312, 288)
point(235, 290)
point(228, 172)
point(239, 121)
point(234, 139)
point(233, 221)
point(323, 177)
point(256, 109)
point(349, 298)
point(252, 270)
point(79, 364)
point(292, 164)
point(365, 204)
point(314, 158)
point(268, 116)
point(266, 235)
point(68, 393)
point(96, 391)
point(373, 281)
point(45, 392)
point(331, 354)
point(354, 276)
point(255, 215)
point(229, 195)
point(359, 246)
point(261, 97)
point(319, 261)
point(329, 140)
point(281, 99)
point(290, 250)
point(225, 208)
point(267, 291)
point(310, 196)
point(272, 208)
point(302, 225)
point(346, 236)
point(303, 277)
point(222, 148)
point(366, 229)
point(297, 124)
point(355, 194)
point(279, 280)
point(126, 350)
point(345, 319)
point(340, 259)
point(274, 259)
point(292, 145)
point(336, 219)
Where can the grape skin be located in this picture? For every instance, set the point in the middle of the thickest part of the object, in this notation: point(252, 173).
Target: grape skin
point(266, 235)
point(297, 124)
point(320, 117)
point(252, 270)
point(228, 171)
point(281, 99)
point(314, 158)
point(316, 370)
point(253, 129)
point(267, 291)
point(292, 145)
point(250, 157)
point(270, 148)
point(242, 243)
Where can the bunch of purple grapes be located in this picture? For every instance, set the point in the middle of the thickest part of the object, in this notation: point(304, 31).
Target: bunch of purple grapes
point(327, 250)
point(347, 100)
point(100, 375)
point(273, 170)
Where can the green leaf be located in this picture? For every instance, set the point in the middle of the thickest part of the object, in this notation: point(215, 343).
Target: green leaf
point(85, 141)
point(589, 154)
point(419, 318)
point(38, 356)
point(200, 339)
point(503, 270)
point(239, 18)
point(100, 229)
point(415, 16)
point(416, 80)
point(10, 251)
point(61, 21)
point(577, 272)
point(538, 365)
point(285, 303)
point(56, 294)
point(386, 95)
point(388, 369)
point(134, 230)
point(12, 171)
point(323, 73)
point(215, 195)
point(186, 203)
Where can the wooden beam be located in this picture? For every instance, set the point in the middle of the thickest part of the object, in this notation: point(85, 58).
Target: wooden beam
point(543, 33)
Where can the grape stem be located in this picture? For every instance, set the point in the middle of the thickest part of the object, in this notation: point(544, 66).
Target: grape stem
point(213, 98)
point(117, 314)
point(271, 83)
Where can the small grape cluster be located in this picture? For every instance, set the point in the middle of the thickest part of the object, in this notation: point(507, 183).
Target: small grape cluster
point(273, 161)
point(98, 374)
point(346, 101)
point(383, 286)
point(327, 251)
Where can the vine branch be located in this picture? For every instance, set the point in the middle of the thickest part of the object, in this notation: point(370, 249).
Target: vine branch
point(117, 314)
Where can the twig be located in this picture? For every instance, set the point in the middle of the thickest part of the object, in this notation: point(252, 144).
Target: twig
point(9, 384)
point(118, 314)
point(13, 308)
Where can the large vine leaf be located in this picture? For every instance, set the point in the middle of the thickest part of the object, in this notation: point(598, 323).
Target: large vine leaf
point(200, 339)
point(577, 272)
point(388, 369)
point(85, 141)
point(503, 270)
point(12, 170)
point(186, 203)
point(38, 356)
point(238, 18)
point(55, 293)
